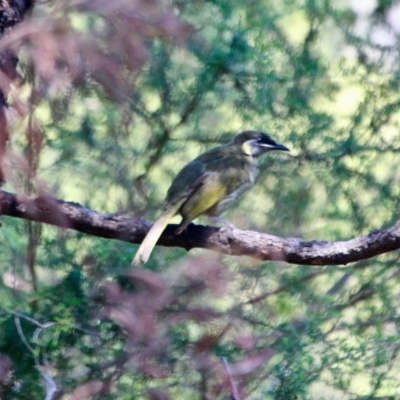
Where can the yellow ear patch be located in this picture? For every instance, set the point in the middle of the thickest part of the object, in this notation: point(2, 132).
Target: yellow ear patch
point(246, 147)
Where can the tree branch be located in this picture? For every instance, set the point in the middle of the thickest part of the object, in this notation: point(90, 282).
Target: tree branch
point(262, 246)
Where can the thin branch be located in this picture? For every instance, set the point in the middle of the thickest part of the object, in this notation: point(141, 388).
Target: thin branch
point(283, 288)
point(258, 245)
point(23, 338)
point(47, 324)
point(44, 369)
point(233, 387)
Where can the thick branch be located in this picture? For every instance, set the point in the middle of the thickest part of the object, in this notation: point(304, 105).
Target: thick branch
point(234, 242)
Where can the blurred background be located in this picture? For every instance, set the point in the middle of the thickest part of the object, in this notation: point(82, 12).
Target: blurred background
point(111, 101)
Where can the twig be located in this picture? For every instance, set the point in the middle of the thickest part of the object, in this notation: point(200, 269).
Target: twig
point(44, 370)
point(234, 390)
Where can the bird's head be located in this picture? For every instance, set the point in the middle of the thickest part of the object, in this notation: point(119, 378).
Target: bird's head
point(255, 143)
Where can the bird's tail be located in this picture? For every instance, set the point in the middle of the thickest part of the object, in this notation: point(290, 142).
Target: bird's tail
point(145, 249)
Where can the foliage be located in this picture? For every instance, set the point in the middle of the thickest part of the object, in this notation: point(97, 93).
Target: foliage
point(106, 116)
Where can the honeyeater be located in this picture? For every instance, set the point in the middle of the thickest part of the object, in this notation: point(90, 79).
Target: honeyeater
point(210, 183)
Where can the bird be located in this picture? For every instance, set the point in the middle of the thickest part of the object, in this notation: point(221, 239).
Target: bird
point(210, 184)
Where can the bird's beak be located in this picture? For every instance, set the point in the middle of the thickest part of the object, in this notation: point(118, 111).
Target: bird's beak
point(281, 147)
point(276, 146)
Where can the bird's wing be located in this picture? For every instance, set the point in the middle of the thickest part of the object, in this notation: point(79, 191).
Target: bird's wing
point(195, 173)
point(185, 182)
point(188, 181)
point(207, 191)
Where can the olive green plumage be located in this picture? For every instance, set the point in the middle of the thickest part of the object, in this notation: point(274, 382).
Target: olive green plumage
point(210, 184)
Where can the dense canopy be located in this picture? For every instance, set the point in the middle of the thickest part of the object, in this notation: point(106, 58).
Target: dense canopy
point(102, 103)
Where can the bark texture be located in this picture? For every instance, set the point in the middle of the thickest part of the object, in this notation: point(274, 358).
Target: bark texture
point(236, 242)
